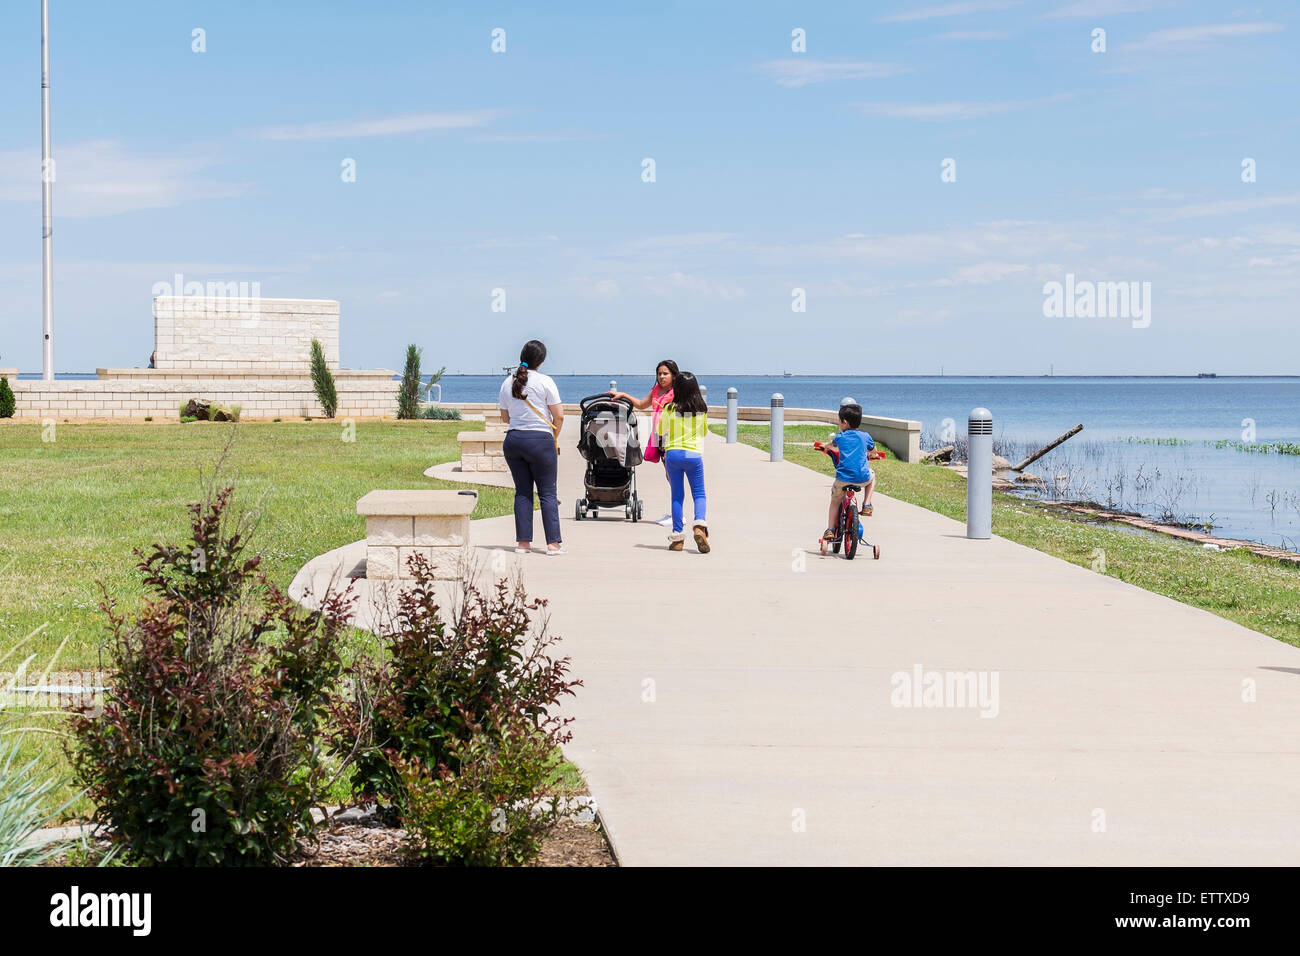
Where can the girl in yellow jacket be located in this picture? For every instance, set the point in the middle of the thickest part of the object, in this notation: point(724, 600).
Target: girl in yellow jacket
point(683, 425)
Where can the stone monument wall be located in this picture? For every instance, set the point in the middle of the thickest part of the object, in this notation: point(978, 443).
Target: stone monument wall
point(221, 333)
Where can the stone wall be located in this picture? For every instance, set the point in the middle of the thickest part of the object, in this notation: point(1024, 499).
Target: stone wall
point(137, 393)
point(222, 333)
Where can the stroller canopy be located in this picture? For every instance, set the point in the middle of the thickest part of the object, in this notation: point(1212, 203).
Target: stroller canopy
point(609, 432)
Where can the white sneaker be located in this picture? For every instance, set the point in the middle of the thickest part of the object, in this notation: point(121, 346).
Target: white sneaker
point(666, 521)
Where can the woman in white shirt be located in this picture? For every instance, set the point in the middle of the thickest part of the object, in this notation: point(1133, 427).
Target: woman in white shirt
point(531, 408)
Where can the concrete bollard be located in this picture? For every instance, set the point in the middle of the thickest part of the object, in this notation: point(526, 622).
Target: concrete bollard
point(733, 406)
point(979, 474)
point(777, 440)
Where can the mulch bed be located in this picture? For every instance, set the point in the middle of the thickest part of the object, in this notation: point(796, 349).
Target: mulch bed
point(371, 843)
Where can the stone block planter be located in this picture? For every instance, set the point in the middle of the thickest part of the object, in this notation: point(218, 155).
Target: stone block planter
point(400, 524)
point(481, 451)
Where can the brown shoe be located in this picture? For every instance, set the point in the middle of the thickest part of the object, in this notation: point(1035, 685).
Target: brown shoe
point(702, 538)
point(675, 541)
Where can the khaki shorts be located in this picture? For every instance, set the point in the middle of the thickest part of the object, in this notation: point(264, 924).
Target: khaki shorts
point(837, 489)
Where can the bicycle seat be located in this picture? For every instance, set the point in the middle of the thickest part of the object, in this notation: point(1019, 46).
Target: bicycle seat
point(852, 487)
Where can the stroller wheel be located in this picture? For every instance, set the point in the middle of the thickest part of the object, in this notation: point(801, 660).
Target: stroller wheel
point(577, 510)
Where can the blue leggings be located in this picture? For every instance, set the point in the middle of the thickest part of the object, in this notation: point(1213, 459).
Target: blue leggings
point(683, 466)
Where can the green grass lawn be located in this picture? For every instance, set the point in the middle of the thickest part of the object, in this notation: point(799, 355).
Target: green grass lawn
point(73, 509)
point(1259, 593)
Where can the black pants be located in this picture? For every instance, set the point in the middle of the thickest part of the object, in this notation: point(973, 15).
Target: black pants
point(532, 460)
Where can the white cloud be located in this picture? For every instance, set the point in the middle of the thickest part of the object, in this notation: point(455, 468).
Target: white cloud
point(850, 289)
point(681, 241)
point(1276, 262)
point(799, 71)
point(972, 35)
point(679, 283)
point(1104, 8)
point(511, 242)
point(386, 126)
point(919, 317)
point(1227, 206)
point(1193, 39)
point(949, 10)
point(103, 178)
point(559, 136)
point(983, 273)
point(601, 290)
point(953, 109)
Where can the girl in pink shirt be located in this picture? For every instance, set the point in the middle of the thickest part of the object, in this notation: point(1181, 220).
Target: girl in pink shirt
point(660, 395)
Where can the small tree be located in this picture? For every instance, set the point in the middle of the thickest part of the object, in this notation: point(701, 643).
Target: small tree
point(408, 396)
point(7, 401)
point(322, 380)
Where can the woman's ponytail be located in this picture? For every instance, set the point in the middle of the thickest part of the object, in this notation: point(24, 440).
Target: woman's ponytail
point(532, 355)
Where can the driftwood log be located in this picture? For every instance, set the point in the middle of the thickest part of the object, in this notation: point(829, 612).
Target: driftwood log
point(1048, 447)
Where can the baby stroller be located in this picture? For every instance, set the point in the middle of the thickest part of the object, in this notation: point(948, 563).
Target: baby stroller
point(608, 441)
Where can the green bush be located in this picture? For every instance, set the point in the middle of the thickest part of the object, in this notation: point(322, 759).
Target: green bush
point(8, 404)
point(461, 706)
point(209, 749)
point(322, 380)
point(487, 813)
point(442, 414)
point(186, 419)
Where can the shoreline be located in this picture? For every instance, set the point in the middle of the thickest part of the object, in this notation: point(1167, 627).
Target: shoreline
point(1138, 521)
point(1174, 531)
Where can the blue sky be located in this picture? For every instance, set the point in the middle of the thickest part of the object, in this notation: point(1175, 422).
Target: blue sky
point(774, 170)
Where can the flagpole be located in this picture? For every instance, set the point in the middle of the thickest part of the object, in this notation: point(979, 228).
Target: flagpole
point(47, 218)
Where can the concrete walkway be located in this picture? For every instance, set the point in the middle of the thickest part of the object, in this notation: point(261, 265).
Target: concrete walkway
point(741, 707)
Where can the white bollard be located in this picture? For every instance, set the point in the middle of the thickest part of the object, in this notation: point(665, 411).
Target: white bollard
point(979, 474)
point(777, 440)
point(733, 406)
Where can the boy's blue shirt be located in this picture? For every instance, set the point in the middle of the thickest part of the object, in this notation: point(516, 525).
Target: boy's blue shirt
point(852, 466)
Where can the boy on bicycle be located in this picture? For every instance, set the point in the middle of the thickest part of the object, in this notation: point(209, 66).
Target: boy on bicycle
point(848, 450)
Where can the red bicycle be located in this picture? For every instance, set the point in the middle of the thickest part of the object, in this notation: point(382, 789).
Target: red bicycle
point(848, 525)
